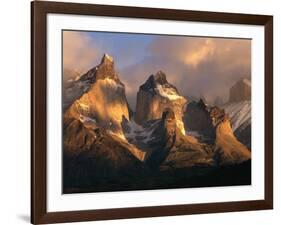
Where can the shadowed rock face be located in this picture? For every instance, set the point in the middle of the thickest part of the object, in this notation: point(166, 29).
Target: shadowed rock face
point(197, 119)
point(92, 155)
point(155, 96)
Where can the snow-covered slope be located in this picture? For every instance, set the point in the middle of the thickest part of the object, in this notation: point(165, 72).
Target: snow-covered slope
point(166, 91)
point(240, 117)
point(137, 133)
point(73, 90)
point(239, 113)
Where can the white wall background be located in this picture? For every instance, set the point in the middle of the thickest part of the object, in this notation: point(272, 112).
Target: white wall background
point(15, 111)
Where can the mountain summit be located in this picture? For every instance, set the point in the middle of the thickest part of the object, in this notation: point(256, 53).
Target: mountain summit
point(157, 95)
point(104, 102)
point(158, 79)
point(104, 70)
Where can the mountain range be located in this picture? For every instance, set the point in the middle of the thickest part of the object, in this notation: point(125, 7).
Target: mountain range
point(168, 141)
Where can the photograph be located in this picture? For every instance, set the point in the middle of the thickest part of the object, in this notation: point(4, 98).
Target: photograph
point(145, 111)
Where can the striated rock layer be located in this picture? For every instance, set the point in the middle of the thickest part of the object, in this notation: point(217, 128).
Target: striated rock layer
point(240, 118)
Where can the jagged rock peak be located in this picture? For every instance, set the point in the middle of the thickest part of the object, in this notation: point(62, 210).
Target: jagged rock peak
point(107, 59)
point(160, 77)
point(202, 104)
point(155, 96)
point(104, 70)
point(155, 80)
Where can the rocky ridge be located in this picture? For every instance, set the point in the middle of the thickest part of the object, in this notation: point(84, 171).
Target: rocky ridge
point(168, 132)
point(155, 96)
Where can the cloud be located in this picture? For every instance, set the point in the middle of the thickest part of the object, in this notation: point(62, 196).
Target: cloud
point(79, 52)
point(189, 50)
point(194, 51)
point(196, 66)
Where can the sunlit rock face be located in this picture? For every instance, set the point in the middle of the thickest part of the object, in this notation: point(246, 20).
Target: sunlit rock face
point(104, 102)
point(155, 96)
point(241, 91)
point(228, 149)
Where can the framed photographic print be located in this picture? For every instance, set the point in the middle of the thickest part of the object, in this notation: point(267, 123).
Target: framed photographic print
point(143, 112)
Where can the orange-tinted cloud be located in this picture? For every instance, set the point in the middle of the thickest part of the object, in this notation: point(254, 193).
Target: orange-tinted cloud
point(196, 66)
point(79, 52)
point(195, 50)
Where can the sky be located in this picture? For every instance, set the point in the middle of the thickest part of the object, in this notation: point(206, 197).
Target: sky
point(198, 66)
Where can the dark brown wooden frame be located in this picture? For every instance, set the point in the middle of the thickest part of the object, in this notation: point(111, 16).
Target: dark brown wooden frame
point(39, 214)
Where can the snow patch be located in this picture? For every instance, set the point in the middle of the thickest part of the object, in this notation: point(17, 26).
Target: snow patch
point(137, 132)
point(167, 92)
point(239, 113)
point(85, 119)
point(112, 83)
point(192, 133)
